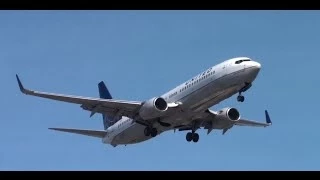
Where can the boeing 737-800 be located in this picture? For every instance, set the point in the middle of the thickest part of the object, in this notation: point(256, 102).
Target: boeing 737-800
point(184, 108)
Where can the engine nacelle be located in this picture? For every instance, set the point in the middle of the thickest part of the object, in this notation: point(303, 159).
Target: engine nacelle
point(229, 114)
point(153, 108)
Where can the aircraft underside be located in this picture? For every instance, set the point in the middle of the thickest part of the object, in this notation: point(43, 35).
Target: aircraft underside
point(152, 130)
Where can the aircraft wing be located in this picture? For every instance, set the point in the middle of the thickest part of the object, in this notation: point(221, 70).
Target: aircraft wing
point(245, 122)
point(206, 122)
point(95, 105)
point(87, 132)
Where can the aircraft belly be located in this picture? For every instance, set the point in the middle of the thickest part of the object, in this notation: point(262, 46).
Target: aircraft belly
point(218, 97)
point(203, 98)
point(202, 94)
point(133, 134)
point(213, 94)
point(177, 119)
point(210, 90)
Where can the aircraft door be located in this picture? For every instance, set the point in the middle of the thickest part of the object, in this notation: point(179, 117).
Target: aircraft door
point(224, 69)
point(227, 68)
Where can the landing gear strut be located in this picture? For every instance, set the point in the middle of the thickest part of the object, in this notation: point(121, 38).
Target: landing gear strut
point(150, 131)
point(247, 86)
point(192, 136)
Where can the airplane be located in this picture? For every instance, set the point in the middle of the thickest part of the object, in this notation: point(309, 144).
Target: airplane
point(183, 108)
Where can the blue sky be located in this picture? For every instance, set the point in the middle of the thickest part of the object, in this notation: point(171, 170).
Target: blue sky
point(141, 54)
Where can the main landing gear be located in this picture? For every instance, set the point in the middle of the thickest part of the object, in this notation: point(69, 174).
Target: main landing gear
point(192, 136)
point(150, 131)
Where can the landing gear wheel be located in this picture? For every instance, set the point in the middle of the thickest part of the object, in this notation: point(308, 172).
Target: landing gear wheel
point(195, 137)
point(150, 131)
point(154, 132)
point(240, 98)
point(147, 131)
point(189, 136)
point(192, 137)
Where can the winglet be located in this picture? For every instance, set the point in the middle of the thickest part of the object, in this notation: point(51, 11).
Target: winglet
point(22, 89)
point(20, 84)
point(268, 120)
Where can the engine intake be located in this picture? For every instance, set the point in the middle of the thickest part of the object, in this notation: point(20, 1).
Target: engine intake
point(160, 104)
point(153, 108)
point(231, 114)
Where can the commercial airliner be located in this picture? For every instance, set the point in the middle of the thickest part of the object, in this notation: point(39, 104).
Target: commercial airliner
point(184, 108)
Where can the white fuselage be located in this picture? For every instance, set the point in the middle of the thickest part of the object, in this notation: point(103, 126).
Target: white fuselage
point(195, 95)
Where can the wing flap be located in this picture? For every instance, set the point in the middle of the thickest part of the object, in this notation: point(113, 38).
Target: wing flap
point(86, 132)
point(245, 122)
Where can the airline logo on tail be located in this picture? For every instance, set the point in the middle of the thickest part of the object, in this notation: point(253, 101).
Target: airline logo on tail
point(105, 94)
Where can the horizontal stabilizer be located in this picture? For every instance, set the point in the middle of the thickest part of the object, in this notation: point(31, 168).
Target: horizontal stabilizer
point(92, 133)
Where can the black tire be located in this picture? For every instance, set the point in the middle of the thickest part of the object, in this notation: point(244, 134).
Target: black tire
point(154, 132)
point(195, 137)
point(147, 131)
point(240, 98)
point(189, 136)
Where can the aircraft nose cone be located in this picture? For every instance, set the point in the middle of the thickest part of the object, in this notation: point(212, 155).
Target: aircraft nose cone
point(254, 70)
point(257, 65)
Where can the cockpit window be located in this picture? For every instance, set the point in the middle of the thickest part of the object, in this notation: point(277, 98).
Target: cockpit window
point(240, 61)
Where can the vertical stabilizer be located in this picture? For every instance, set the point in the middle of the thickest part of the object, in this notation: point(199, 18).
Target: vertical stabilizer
point(105, 94)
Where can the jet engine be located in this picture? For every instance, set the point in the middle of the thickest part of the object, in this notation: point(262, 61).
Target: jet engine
point(229, 114)
point(153, 108)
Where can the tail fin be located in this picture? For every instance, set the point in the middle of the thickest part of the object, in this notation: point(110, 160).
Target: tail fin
point(105, 94)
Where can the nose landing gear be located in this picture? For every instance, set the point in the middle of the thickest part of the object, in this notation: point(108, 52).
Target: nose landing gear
point(240, 98)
